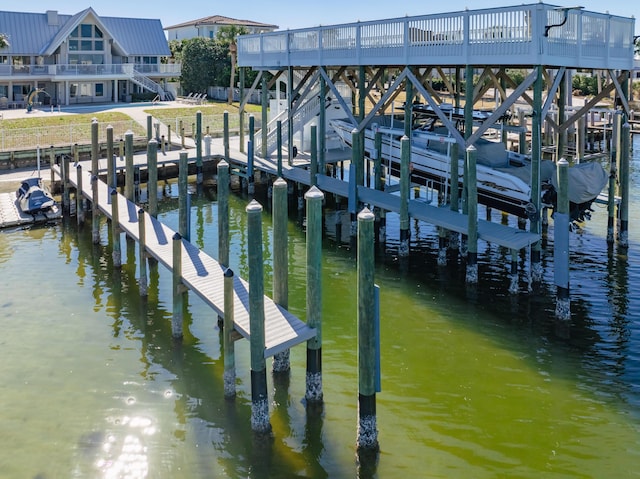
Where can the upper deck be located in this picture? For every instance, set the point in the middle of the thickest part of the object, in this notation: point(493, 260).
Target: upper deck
point(534, 34)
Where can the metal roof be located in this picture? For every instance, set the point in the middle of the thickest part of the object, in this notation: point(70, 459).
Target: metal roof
point(31, 34)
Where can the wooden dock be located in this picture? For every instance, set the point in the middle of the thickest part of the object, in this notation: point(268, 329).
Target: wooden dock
point(200, 272)
point(503, 235)
point(11, 215)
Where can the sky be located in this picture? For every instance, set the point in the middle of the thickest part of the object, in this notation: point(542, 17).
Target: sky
point(299, 13)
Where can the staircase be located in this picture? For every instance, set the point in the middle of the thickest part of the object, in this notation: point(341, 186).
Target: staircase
point(301, 117)
point(148, 84)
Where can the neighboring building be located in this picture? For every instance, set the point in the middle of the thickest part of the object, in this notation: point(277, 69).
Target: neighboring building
point(207, 27)
point(82, 58)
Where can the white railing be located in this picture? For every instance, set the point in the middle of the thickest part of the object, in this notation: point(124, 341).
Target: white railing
point(525, 34)
point(89, 70)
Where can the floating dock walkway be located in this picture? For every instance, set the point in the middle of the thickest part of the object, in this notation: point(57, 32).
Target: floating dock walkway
point(200, 272)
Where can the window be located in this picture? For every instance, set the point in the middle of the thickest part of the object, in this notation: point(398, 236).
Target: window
point(80, 89)
point(99, 89)
point(91, 35)
point(86, 30)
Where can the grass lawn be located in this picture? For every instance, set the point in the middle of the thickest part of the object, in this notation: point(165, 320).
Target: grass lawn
point(62, 120)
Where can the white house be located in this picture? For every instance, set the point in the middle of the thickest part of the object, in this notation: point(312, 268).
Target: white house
point(82, 58)
point(207, 27)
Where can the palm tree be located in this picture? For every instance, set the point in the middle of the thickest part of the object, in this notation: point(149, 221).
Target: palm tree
point(4, 41)
point(227, 34)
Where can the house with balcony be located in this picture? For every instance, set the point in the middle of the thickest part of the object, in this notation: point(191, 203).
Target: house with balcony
point(82, 58)
point(207, 27)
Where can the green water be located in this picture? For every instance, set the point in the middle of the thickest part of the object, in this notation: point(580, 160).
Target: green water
point(474, 382)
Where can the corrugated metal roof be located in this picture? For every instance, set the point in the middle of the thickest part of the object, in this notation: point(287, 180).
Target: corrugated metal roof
point(138, 36)
point(222, 20)
point(30, 33)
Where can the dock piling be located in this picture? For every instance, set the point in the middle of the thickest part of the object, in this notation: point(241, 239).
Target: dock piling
point(178, 287)
point(281, 362)
point(95, 210)
point(152, 180)
point(472, 217)
point(259, 397)
point(367, 433)
point(405, 180)
point(142, 253)
point(223, 213)
point(198, 147)
point(115, 229)
point(314, 198)
point(561, 243)
point(128, 171)
point(183, 196)
point(229, 376)
point(79, 197)
point(624, 185)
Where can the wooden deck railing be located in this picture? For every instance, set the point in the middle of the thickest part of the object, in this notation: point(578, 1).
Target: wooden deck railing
point(519, 35)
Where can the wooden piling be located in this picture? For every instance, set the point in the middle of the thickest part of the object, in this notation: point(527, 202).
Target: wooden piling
point(562, 220)
point(250, 155)
point(94, 146)
point(129, 182)
point(259, 397)
point(142, 253)
point(535, 220)
point(279, 146)
point(225, 132)
point(314, 198)
point(198, 147)
point(79, 197)
point(149, 127)
point(229, 358)
point(95, 211)
point(472, 217)
point(178, 287)
point(223, 213)
point(115, 229)
point(405, 180)
point(66, 188)
point(152, 180)
point(111, 167)
point(183, 196)
point(613, 172)
point(280, 207)
point(625, 132)
point(367, 433)
point(313, 180)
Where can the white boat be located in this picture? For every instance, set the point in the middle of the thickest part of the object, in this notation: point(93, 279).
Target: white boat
point(503, 176)
point(33, 197)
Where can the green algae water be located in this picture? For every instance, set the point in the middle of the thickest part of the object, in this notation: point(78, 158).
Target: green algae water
point(475, 382)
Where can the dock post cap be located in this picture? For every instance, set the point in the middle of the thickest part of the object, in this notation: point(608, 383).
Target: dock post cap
point(253, 206)
point(314, 193)
point(280, 182)
point(228, 273)
point(366, 215)
point(177, 237)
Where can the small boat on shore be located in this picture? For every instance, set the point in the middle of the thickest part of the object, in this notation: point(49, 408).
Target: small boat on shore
point(33, 197)
point(503, 176)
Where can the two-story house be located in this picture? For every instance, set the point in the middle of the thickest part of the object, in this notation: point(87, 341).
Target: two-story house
point(207, 27)
point(82, 58)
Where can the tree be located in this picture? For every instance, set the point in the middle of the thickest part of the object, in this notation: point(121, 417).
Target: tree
point(203, 62)
point(227, 35)
point(4, 41)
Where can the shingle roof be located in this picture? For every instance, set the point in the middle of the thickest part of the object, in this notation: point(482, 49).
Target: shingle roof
point(222, 20)
point(31, 34)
